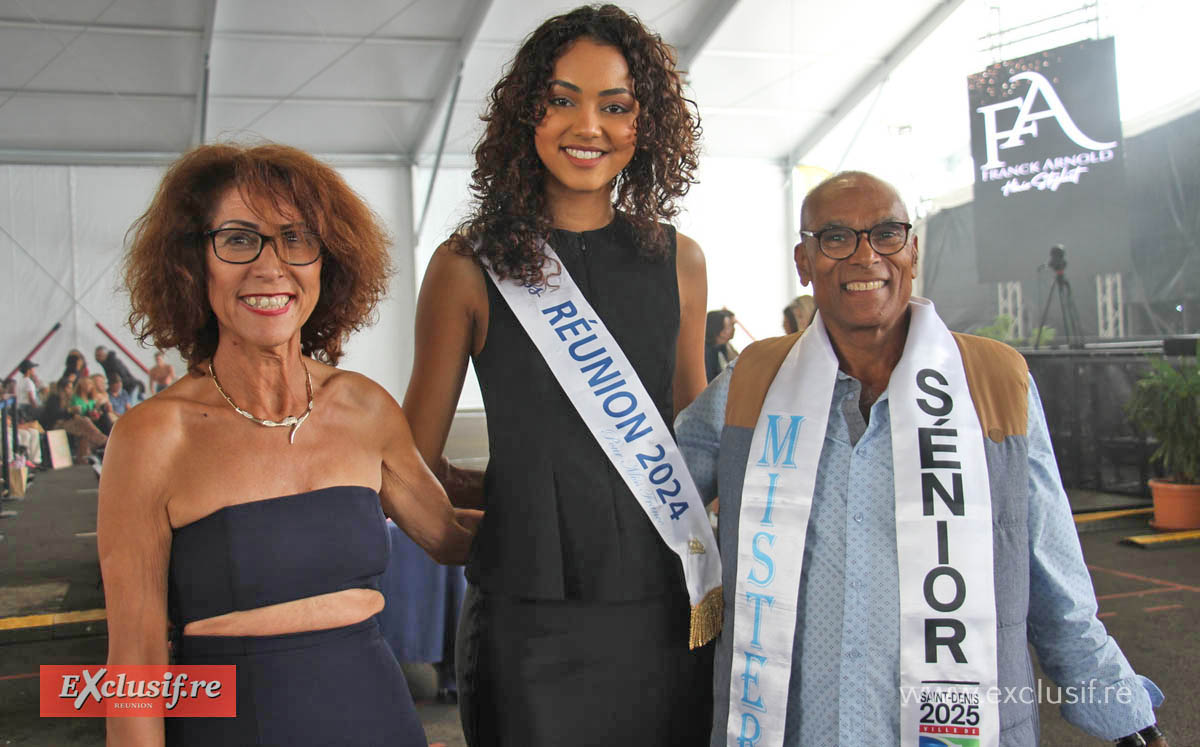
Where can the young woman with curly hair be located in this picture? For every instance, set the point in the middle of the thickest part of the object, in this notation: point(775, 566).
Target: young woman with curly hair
point(576, 626)
point(263, 546)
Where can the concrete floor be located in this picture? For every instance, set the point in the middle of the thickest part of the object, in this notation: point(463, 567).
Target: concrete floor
point(48, 564)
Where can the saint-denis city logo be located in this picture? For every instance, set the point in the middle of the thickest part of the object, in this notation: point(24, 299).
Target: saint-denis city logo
point(142, 690)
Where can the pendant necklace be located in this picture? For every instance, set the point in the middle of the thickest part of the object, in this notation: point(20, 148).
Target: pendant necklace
point(291, 420)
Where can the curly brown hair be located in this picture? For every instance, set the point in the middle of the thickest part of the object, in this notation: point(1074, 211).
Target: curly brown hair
point(165, 265)
point(510, 215)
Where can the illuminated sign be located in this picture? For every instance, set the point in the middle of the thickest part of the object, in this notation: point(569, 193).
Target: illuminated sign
point(1049, 169)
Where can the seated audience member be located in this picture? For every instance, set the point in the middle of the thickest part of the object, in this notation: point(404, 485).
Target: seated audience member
point(29, 436)
point(104, 416)
point(162, 375)
point(84, 395)
point(92, 403)
point(114, 368)
point(76, 364)
point(28, 443)
point(54, 405)
point(118, 398)
point(60, 412)
point(28, 384)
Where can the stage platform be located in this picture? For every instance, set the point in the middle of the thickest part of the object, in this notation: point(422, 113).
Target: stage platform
point(51, 609)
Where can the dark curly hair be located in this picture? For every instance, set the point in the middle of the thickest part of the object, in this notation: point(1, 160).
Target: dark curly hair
point(510, 215)
point(165, 268)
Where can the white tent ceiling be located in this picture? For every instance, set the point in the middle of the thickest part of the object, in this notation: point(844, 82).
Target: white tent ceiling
point(112, 81)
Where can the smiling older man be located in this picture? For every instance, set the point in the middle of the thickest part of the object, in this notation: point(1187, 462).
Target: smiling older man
point(893, 524)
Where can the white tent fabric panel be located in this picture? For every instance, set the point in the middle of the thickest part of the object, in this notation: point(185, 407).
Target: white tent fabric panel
point(738, 214)
point(324, 127)
point(105, 124)
point(64, 248)
point(35, 245)
point(384, 351)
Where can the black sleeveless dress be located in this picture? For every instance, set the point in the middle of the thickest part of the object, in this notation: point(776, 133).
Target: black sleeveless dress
point(577, 627)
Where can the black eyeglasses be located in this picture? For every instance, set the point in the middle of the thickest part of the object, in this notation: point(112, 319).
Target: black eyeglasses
point(241, 246)
point(839, 242)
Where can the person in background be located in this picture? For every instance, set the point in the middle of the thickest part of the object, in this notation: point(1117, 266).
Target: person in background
point(83, 398)
point(798, 314)
point(118, 398)
point(58, 411)
point(27, 386)
point(576, 626)
point(54, 404)
point(76, 365)
point(719, 327)
point(115, 368)
point(91, 401)
point(101, 382)
point(162, 375)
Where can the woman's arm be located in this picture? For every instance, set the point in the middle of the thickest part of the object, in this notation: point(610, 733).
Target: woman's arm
point(411, 495)
point(451, 325)
point(690, 379)
point(133, 535)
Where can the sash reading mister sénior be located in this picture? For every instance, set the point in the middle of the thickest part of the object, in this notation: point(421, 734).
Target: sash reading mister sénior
point(943, 536)
point(599, 380)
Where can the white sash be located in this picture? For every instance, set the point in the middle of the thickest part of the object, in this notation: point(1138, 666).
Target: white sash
point(944, 544)
point(596, 376)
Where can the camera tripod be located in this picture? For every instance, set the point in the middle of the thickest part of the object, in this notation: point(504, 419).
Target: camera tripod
point(1066, 304)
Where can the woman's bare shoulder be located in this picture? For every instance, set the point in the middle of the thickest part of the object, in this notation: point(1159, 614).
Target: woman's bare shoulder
point(359, 395)
point(455, 258)
point(163, 418)
point(150, 440)
point(687, 251)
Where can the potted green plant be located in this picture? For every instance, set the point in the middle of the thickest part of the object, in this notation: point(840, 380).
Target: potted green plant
point(1166, 405)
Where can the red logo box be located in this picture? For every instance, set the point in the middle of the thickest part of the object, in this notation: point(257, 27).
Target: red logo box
point(143, 690)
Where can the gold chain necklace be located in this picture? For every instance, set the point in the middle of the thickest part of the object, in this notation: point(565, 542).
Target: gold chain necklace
point(290, 420)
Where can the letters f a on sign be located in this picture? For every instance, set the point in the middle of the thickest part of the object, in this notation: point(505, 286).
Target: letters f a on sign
point(1027, 119)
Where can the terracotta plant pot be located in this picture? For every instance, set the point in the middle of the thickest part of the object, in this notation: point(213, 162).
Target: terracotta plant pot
point(1176, 504)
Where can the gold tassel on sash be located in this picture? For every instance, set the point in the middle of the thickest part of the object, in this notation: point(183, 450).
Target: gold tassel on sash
point(707, 618)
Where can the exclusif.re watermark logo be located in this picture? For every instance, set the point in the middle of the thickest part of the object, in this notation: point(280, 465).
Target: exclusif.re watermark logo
point(138, 691)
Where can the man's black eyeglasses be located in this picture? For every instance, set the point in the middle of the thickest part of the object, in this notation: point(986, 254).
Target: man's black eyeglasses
point(839, 242)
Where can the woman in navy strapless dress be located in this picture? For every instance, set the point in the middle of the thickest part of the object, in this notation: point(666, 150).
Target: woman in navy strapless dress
point(243, 507)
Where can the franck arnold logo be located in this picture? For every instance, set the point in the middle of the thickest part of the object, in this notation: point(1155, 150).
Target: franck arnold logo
point(1049, 162)
point(1041, 122)
point(1027, 120)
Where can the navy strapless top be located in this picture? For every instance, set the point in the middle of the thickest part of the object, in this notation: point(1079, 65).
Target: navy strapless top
point(276, 550)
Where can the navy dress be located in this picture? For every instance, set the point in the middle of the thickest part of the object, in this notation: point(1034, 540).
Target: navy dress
point(576, 627)
point(340, 686)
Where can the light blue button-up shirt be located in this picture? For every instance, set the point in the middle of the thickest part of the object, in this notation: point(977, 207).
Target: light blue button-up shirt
point(845, 659)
